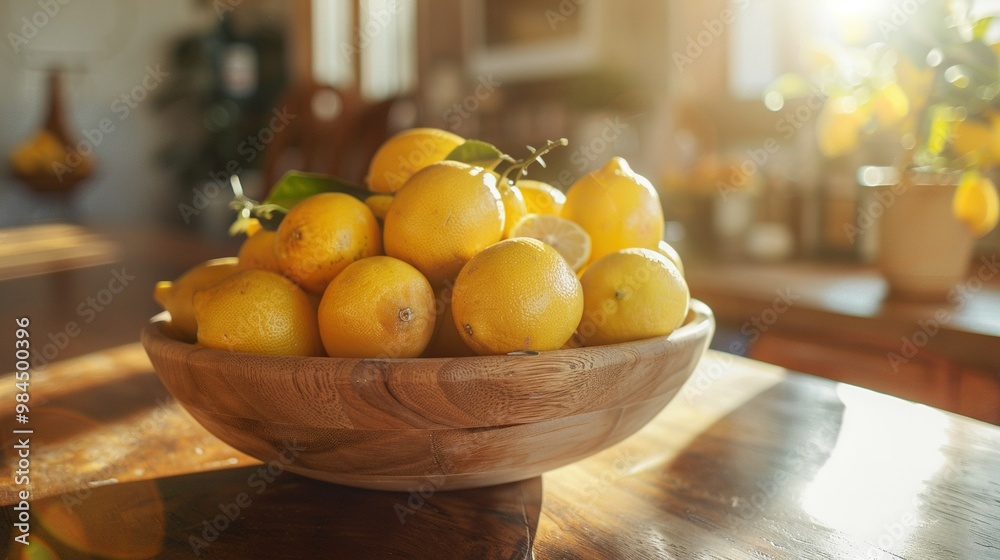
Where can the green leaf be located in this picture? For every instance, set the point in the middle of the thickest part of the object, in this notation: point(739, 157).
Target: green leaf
point(942, 119)
point(295, 186)
point(477, 152)
point(980, 27)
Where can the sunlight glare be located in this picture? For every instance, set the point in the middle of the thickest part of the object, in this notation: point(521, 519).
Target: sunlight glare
point(886, 451)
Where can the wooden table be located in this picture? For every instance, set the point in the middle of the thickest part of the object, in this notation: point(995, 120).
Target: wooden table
point(748, 461)
point(46, 248)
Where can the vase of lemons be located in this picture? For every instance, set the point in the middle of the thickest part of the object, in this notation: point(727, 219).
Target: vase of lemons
point(929, 88)
point(924, 249)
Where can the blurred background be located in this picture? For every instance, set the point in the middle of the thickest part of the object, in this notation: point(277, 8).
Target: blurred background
point(778, 133)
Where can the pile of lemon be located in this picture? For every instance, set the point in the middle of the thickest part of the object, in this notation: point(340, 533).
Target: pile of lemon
point(445, 259)
point(46, 154)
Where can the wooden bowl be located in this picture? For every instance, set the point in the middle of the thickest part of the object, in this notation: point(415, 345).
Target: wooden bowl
point(395, 424)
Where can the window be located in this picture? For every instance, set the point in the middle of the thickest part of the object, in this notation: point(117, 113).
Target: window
point(383, 46)
point(331, 40)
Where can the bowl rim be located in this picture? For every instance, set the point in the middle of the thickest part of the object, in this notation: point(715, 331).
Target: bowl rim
point(406, 393)
point(700, 316)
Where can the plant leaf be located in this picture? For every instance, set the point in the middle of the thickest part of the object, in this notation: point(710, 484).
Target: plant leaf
point(942, 118)
point(980, 27)
point(477, 152)
point(295, 186)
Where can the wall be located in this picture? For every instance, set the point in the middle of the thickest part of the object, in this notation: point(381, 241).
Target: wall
point(627, 82)
point(116, 53)
point(110, 48)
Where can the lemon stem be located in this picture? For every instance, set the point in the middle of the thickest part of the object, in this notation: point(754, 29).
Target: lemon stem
point(247, 208)
point(521, 166)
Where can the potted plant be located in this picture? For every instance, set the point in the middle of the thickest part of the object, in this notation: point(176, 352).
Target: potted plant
point(929, 86)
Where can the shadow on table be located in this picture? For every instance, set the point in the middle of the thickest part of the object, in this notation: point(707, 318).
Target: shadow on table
point(256, 513)
point(729, 493)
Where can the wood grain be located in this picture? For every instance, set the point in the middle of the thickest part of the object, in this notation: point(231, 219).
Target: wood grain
point(46, 248)
point(385, 424)
point(105, 418)
point(747, 462)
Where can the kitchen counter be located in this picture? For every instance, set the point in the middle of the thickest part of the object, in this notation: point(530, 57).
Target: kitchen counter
point(838, 321)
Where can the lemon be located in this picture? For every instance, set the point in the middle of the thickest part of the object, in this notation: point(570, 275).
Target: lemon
point(258, 251)
point(323, 234)
point(177, 296)
point(518, 294)
point(541, 198)
point(446, 342)
point(38, 155)
point(513, 207)
point(444, 215)
point(631, 295)
point(259, 312)
point(406, 153)
point(838, 127)
point(971, 136)
point(976, 203)
point(379, 307)
point(564, 236)
point(668, 251)
point(617, 207)
point(379, 204)
point(890, 105)
point(993, 151)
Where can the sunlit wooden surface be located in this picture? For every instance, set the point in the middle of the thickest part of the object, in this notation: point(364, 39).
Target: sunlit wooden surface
point(46, 248)
point(748, 461)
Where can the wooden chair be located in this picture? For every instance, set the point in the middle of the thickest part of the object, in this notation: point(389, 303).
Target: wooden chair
point(333, 131)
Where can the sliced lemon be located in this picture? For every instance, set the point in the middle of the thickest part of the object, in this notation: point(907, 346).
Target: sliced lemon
point(565, 236)
point(976, 203)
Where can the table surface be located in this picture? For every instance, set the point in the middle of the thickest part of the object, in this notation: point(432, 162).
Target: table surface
point(748, 461)
point(46, 248)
